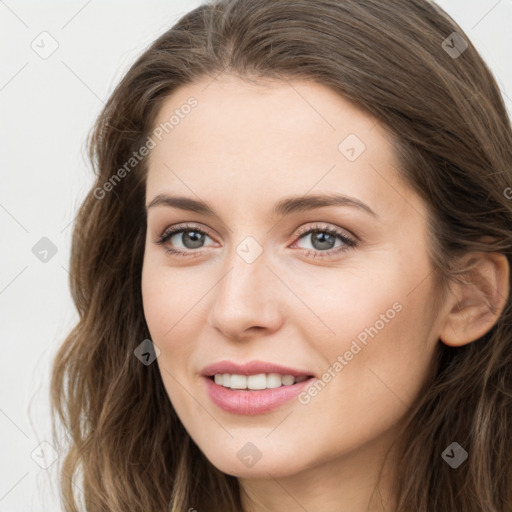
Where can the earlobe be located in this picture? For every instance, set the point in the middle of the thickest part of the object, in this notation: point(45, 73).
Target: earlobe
point(475, 305)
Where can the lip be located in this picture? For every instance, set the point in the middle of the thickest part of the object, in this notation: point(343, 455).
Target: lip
point(252, 402)
point(252, 368)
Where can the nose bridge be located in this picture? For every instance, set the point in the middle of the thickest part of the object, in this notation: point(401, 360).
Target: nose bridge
point(246, 295)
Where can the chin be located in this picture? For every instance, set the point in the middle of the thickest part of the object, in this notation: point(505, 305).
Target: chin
point(246, 460)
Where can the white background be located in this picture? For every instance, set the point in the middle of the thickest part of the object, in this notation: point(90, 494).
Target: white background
point(47, 107)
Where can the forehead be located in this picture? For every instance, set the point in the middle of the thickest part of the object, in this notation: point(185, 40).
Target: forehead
point(275, 114)
point(268, 138)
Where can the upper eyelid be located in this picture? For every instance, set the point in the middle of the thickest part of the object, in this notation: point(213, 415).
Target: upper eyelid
point(179, 228)
point(298, 233)
point(327, 227)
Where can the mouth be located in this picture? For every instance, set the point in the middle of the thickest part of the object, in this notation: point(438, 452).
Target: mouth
point(256, 382)
point(238, 396)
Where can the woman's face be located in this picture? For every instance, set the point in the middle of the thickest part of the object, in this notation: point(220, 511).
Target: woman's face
point(349, 306)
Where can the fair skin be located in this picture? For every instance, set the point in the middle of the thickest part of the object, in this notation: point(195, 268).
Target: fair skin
point(241, 150)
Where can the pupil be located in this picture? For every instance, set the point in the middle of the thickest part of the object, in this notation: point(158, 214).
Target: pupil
point(322, 240)
point(194, 241)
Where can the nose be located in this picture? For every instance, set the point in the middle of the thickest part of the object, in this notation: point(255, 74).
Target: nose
point(247, 301)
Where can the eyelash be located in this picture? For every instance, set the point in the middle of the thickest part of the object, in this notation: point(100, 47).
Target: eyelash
point(348, 241)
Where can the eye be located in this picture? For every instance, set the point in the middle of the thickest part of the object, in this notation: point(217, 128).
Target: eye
point(322, 238)
point(323, 241)
point(191, 237)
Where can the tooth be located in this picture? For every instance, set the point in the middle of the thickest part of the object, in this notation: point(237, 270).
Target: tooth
point(273, 380)
point(287, 380)
point(257, 381)
point(238, 381)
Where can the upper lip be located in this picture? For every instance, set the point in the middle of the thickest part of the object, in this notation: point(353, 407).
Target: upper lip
point(251, 368)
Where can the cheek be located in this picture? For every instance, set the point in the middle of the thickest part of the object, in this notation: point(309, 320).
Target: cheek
point(163, 307)
point(155, 301)
point(168, 297)
point(161, 311)
point(171, 304)
point(383, 342)
point(373, 384)
point(365, 308)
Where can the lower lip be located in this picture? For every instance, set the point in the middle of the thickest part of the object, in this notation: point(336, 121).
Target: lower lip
point(252, 402)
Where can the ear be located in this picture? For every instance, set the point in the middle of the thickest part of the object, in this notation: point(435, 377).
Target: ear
point(474, 307)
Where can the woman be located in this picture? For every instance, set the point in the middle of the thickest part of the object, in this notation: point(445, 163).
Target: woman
point(219, 362)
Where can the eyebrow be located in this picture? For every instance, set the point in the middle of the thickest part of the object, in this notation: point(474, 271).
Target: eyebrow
point(281, 208)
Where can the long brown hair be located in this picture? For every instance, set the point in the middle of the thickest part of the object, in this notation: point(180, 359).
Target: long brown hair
point(454, 143)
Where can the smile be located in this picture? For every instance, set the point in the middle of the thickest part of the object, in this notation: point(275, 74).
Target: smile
point(251, 402)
